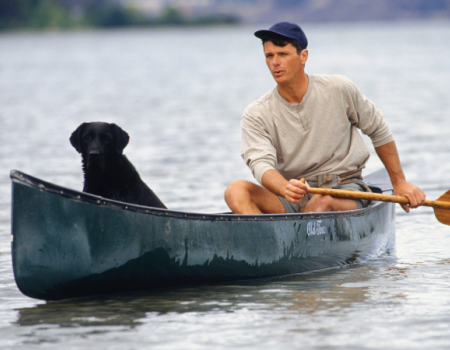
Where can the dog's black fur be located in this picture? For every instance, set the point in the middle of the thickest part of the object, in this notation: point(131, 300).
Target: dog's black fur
point(107, 172)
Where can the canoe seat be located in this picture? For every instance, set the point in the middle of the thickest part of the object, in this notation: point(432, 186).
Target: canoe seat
point(375, 189)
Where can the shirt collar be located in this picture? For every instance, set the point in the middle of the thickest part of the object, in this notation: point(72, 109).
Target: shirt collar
point(296, 104)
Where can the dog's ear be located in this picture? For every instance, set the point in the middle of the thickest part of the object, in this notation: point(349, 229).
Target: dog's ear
point(122, 138)
point(75, 138)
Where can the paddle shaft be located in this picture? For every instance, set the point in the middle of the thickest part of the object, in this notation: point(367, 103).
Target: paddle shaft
point(374, 197)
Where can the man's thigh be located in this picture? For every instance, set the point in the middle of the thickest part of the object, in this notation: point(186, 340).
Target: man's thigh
point(327, 203)
point(266, 201)
point(338, 204)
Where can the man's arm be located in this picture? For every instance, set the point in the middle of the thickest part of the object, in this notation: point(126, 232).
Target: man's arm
point(389, 156)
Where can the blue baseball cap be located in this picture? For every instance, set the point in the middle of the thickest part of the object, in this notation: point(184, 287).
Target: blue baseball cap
point(286, 29)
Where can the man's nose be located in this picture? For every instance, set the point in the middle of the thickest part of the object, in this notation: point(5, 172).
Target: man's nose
point(276, 61)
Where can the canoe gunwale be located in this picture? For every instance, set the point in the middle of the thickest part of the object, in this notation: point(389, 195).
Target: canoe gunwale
point(20, 177)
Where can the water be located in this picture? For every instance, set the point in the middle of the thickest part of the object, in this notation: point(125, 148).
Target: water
point(180, 93)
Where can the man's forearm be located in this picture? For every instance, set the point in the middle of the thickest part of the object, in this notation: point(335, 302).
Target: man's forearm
point(274, 182)
point(388, 154)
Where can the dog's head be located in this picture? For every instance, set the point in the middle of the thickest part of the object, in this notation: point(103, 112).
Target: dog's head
point(96, 142)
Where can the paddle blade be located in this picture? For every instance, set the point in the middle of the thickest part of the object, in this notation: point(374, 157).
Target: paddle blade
point(443, 215)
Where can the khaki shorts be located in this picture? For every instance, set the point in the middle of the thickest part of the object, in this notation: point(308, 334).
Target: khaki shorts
point(298, 207)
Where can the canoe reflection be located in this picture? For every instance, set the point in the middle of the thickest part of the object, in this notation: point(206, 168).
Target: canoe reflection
point(310, 293)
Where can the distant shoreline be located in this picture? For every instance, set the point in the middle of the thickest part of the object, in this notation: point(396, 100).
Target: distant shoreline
point(48, 15)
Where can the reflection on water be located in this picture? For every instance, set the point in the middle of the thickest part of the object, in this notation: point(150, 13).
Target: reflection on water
point(348, 300)
point(308, 293)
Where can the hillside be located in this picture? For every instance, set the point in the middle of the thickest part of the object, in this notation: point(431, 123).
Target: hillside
point(257, 11)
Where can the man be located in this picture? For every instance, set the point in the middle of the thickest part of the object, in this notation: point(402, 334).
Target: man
point(306, 127)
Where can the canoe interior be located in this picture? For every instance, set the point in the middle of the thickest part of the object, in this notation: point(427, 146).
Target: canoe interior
point(69, 244)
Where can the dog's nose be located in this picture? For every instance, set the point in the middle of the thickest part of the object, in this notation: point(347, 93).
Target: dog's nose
point(94, 155)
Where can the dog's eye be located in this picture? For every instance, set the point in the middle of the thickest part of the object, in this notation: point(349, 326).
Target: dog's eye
point(87, 137)
point(105, 138)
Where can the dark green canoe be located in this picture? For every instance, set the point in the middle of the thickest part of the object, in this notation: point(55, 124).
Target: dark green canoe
point(67, 243)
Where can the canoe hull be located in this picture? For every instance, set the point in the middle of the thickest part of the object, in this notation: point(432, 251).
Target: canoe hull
point(70, 244)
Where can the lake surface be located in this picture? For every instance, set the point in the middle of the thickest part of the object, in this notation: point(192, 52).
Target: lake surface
point(180, 94)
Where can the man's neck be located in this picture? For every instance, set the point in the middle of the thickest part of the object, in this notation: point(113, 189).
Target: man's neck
point(294, 92)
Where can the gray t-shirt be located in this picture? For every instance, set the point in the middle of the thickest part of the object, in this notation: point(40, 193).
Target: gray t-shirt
point(317, 136)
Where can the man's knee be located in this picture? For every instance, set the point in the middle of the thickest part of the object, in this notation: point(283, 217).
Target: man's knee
point(320, 203)
point(237, 191)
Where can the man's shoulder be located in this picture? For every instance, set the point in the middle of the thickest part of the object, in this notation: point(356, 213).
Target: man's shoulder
point(335, 85)
point(261, 103)
point(332, 80)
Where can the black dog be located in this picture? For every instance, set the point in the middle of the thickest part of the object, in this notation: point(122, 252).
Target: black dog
point(107, 172)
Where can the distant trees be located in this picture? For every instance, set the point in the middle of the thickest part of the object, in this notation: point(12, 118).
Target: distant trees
point(39, 14)
point(43, 14)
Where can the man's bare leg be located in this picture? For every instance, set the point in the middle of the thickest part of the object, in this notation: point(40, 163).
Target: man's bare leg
point(320, 203)
point(244, 197)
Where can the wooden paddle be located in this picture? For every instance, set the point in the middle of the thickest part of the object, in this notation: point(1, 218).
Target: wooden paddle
point(441, 205)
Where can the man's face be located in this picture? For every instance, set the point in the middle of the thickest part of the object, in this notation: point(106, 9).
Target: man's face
point(285, 64)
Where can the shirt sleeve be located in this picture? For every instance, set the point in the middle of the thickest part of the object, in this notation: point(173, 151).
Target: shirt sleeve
point(257, 146)
point(364, 115)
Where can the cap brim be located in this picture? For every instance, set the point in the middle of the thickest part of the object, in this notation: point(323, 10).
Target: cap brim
point(261, 34)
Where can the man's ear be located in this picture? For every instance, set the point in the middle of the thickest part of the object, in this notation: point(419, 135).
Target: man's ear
point(304, 56)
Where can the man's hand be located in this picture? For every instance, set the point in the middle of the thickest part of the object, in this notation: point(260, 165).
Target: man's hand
point(295, 190)
point(414, 194)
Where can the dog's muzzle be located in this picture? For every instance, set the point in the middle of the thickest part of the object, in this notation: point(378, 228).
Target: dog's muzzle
point(95, 159)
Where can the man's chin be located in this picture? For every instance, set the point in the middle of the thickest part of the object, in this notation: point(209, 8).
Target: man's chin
point(279, 80)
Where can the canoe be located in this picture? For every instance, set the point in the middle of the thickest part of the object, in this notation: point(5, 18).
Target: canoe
point(67, 243)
